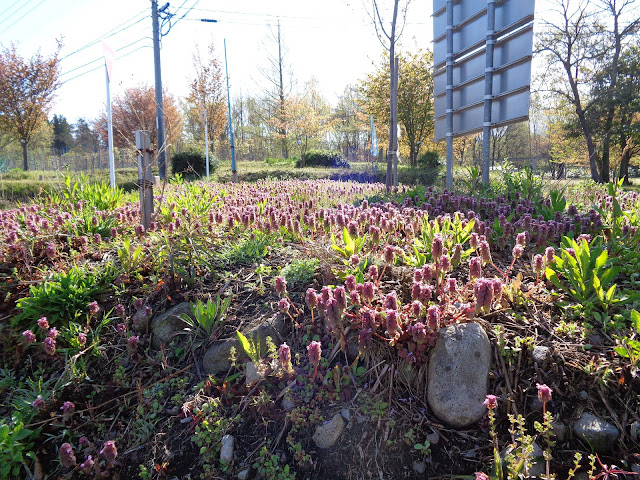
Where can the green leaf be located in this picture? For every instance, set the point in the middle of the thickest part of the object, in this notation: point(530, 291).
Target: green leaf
point(601, 260)
point(247, 346)
point(635, 320)
point(622, 352)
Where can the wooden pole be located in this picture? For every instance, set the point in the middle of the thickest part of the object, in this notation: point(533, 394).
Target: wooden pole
point(145, 180)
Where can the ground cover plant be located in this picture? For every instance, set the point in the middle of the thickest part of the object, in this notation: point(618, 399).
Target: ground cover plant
point(361, 284)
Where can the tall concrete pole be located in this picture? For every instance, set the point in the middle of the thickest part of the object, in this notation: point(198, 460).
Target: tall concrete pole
point(449, 87)
point(160, 143)
point(488, 90)
point(234, 170)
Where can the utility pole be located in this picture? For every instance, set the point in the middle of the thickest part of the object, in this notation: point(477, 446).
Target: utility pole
point(234, 170)
point(160, 143)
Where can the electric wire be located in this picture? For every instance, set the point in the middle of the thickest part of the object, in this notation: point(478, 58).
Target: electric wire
point(24, 15)
point(111, 32)
point(102, 57)
point(100, 66)
point(9, 7)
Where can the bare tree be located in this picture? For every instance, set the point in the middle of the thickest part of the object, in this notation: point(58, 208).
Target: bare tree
point(278, 90)
point(388, 37)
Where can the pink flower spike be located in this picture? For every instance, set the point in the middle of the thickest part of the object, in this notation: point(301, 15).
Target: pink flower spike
point(110, 452)
point(491, 402)
point(93, 308)
point(67, 410)
point(283, 305)
point(49, 346)
point(38, 403)
point(481, 476)
point(43, 323)
point(29, 336)
point(67, 457)
point(311, 297)
point(544, 393)
point(314, 350)
point(281, 285)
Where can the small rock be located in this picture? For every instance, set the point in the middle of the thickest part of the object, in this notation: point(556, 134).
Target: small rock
point(538, 466)
point(433, 438)
point(541, 354)
point(419, 467)
point(328, 433)
point(244, 474)
point(597, 433)
point(459, 373)
point(226, 451)
point(583, 395)
point(634, 431)
point(167, 324)
point(470, 453)
point(287, 403)
point(559, 430)
point(252, 373)
point(346, 414)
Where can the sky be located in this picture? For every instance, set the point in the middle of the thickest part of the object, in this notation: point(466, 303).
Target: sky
point(333, 41)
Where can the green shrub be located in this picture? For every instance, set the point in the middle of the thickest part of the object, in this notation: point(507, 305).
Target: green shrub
point(323, 158)
point(429, 159)
point(300, 273)
point(192, 161)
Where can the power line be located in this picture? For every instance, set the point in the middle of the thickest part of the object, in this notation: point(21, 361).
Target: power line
point(101, 57)
point(9, 8)
point(20, 18)
point(100, 66)
point(110, 33)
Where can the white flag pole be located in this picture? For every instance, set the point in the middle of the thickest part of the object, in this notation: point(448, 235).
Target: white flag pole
point(108, 66)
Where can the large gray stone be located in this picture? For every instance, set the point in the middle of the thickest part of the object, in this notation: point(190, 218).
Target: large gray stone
point(217, 358)
point(168, 324)
point(459, 373)
point(596, 432)
point(327, 434)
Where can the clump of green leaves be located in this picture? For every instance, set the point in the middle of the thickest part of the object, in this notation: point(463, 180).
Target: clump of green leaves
point(130, 257)
point(629, 346)
point(352, 246)
point(268, 467)
point(99, 195)
point(582, 271)
point(16, 446)
point(206, 315)
point(453, 230)
point(251, 249)
point(62, 297)
point(300, 272)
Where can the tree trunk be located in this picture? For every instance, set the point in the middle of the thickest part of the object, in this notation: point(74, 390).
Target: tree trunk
point(25, 156)
point(626, 157)
point(393, 99)
point(591, 149)
point(283, 128)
